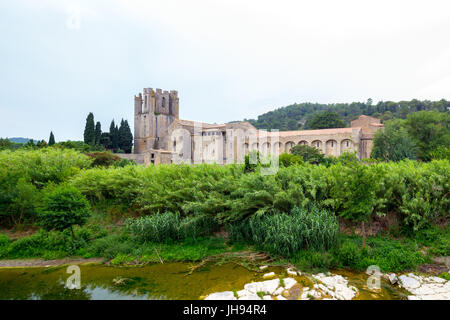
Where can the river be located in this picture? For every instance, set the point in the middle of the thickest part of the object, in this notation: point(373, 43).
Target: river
point(157, 281)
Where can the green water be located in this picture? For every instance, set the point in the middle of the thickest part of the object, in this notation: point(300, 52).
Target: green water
point(158, 281)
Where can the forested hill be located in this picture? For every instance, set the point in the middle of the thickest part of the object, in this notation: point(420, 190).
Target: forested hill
point(296, 116)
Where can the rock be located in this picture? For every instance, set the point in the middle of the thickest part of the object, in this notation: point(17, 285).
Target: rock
point(436, 279)
point(243, 292)
point(226, 295)
point(281, 298)
point(278, 291)
point(267, 287)
point(289, 282)
point(335, 286)
point(269, 275)
point(291, 272)
point(392, 278)
point(425, 288)
point(250, 297)
point(285, 293)
point(409, 282)
point(270, 286)
point(263, 267)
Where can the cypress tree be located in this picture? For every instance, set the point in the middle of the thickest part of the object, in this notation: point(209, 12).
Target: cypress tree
point(121, 135)
point(125, 137)
point(98, 133)
point(51, 140)
point(114, 135)
point(105, 140)
point(89, 130)
point(128, 138)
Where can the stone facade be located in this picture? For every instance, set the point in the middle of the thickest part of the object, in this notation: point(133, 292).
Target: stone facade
point(161, 137)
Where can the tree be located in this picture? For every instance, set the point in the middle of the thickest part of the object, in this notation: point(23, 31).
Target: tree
point(41, 144)
point(62, 208)
point(393, 143)
point(353, 194)
point(51, 140)
point(30, 144)
point(98, 133)
point(105, 140)
point(125, 137)
point(308, 153)
point(5, 143)
point(429, 129)
point(114, 135)
point(326, 119)
point(89, 130)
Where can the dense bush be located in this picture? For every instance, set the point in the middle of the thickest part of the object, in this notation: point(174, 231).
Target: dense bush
point(62, 208)
point(418, 192)
point(103, 159)
point(388, 254)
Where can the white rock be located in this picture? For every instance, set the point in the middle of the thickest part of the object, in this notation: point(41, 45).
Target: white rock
point(278, 291)
point(250, 297)
point(392, 278)
point(291, 272)
point(263, 267)
point(289, 282)
point(436, 279)
point(226, 295)
point(253, 287)
point(243, 292)
point(269, 275)
point(270, 286)
point(409, 282)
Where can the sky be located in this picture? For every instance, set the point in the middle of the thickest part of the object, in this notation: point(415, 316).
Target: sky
point(228, 59)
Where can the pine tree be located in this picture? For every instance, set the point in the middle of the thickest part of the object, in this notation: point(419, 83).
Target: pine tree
point(51, 140)
point(98, 133)
point(89, 130)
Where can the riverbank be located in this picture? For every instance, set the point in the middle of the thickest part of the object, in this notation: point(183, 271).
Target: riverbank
point(39, 263)
point(118, 248)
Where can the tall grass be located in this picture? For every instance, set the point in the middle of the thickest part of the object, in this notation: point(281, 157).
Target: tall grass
point(168, 227)
point(285, 234)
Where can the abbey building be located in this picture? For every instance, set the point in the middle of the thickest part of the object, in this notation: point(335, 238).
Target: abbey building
point(160, 136)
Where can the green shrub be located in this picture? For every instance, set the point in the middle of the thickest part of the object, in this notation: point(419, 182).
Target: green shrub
point(388, 254)
point(311, 260)
point(62, 208)
point(348, 254)
point(288, 159)
point(103, 159)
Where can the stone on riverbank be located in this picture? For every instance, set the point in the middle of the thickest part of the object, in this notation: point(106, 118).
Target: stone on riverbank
point(425, 288)
point(226, 295)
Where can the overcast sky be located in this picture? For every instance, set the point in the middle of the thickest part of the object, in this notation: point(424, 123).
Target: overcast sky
point(229, 59)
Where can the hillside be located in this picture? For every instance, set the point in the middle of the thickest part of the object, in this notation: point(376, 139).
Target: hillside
point(19, 140)
point(296, 116)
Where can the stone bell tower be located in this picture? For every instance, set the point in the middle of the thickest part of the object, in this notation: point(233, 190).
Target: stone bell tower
point(154, 112)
